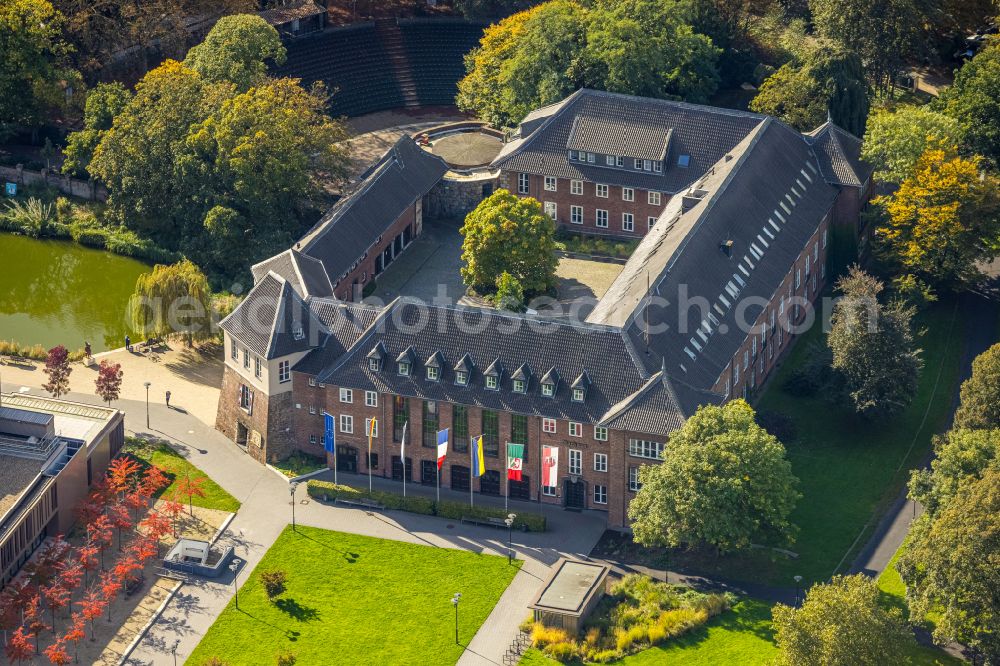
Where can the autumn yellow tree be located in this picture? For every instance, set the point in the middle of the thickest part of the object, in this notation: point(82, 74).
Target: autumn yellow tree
point(944, 219)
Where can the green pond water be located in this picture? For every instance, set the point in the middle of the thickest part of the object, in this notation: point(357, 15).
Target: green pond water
point(57, 292)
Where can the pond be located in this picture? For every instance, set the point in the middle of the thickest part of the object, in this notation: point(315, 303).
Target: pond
point(58, 292)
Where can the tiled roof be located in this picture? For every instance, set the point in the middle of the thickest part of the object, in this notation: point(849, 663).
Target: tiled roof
point(306, 274)
point(348, 230)
point(702, 132)
point(346, 322)
point(273, 320)
point(508, 339)
point(613, 136)
point(839, 155)
point(659, 407)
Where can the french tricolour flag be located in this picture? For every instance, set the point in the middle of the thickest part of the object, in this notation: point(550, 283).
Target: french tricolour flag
point(442, 446)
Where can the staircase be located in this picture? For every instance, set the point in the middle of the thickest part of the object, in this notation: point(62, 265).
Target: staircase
point(391, 38)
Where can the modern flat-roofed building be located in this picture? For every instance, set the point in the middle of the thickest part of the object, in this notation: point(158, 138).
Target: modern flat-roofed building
point(51, 452)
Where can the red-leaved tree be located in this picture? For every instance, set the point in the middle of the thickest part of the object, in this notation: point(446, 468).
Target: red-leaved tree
point(19, 648)
point(76, 634)
point(92, 606)
point(121, 520)
point(173, 509)
point(57, 597)
point(33, 618)
point(122, 473)
point(10, 610)
point(110, 584)
point(58, 370)
point(101, 534)
point(153, 481)
point(87, 556)
point(190, 487)
point(56, 652)
point(108, 384)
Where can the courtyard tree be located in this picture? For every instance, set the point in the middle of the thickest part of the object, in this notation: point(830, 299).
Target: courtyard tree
point(56, 653)
point(510, 293)
point(104, 102)
point(92, 607)
point(959, 455)
point(979, 402)
point(896, 138)
point(944, 219)
point(840, 623)
point(952, 566)
point(973, 100)
point(173, 300)
point(724, 483)
point(873, 347)
point(190, 487)
point(508, 234)
point(108, 384)
point(75, 634)
point(19, 648)
point(237, 49)
point(58, 370)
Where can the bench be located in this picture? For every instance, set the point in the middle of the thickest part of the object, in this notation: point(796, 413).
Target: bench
point(487, 522)
point(14, 359)
point(360, 503)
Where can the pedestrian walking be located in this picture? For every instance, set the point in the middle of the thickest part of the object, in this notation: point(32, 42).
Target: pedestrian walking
point(86, 351)
point(128, 343)
point(168, 399)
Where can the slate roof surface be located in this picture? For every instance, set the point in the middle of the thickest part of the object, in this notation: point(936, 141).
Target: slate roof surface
point(402, 176)
point(603, 352)
point(306, 275)
point(346, 322)
point(612, 136)
point(659, 407)
point(705, 133)
point(273, 320)
point(839, 156)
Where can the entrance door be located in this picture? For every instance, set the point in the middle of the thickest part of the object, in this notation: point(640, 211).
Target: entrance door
point(347, 459)
point(575, 494)
point(428, 472)
point(397, 469)
point(521, 490)
point(241, 434)
point(489, 483)
point(460, 478)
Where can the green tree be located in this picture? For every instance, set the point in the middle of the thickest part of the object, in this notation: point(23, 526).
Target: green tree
point(173, 300)
point(510, 293)
point(725, 482)
point(944, 219)
point(873, 347)
point(237, 49)
point(959, 455)
point(32, 61)
point(793, 95)
point(979, 403)
point(104, 102)
point(973, 100)
point(883, 33)
point(491, 9)
point(896, 138)
point(952, 566)
point(840, 623)
point(506, 234)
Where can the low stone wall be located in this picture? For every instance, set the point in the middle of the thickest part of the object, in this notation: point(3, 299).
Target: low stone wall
point(457, 197)
point(84, 189)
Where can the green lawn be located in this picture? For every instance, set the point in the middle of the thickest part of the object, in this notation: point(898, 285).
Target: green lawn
point(850, 469)
point(357, 600)
point(175, 466)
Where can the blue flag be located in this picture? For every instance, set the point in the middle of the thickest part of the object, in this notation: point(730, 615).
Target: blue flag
point(478, 460)
point(329, 434)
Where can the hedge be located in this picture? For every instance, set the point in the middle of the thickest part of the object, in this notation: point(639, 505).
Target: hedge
point(533, 522)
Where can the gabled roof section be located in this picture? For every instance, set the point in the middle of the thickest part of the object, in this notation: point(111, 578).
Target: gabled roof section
point(659, 407)
point(273, 320)
point(838, 153)
point(436, 360)
point(465, 364)
point(306, 275)
point(523, 373)
point(703, 133)
point(345, 322)
point(495, 369)
point(550, 377)
point(404, 174)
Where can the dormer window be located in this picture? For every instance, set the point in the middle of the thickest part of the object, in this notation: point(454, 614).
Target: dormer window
point(520, 386)
point(374, 364)
point(549, 382)
point(297, 332)
point(462, 378)
point(492, 382)
point(578, 394)
point(433, 374)
point(404, 368)
point(548, 390)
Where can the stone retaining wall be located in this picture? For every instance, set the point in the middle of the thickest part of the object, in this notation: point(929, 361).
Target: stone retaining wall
point(84, 189)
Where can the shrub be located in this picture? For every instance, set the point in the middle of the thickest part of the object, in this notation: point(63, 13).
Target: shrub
point(273, 581)
point(64, 209)
point(626, 639)
point(542, 635)
point(778, 424)
point(31, 217)
point(287, 659)
point(561, 652)
point(815, 374)
point(531, 522)
point(91, 237)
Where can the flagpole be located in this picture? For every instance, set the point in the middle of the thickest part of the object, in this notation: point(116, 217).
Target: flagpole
point(402, 455)
point(438, 468)
point(472, 443)
point(506, 496)
point(369, 461)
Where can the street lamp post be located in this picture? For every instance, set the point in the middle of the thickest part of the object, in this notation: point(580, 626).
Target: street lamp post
point(147, 385)
point(234, 566)
point(798, 587)
point(509, 521)
point(454, 602)
point(292, 487)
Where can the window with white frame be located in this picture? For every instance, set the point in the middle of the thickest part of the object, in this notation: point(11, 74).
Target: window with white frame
point(658, 166)
point(638, 164)
point(600, 462)
point(492, 382)
point(374, 364)
point(576, 214)
point(628, 194)
point(620, 161)
point(653, 198)
point(548, 425)
point(312, 381)
point(798, 277)
point(461, 377)
point(312, 409)
point(550, 491)
point(609, 160)
point(576, 187)
point(600, 494)
point(628, 222)
point(246, 358)
point(633, 479)
point(575, 462)
point(575, 429)
point(520, 386)
point(548, 390)
point(647, 165)
point(746, 359)
point(346, 395)
point(522, 183)
point(650, 222)
point(312, 439)
point(578, 394)
point(736, 373)
point(573, 155)
point(371, 399)
point(824, 238)
point(600, 433)
point(591, 158)
point(234, 350)
point(601, 190)
point(433, 373)
point(816, 251)
point(284, 374)
point(601, 219)
point(550, 183)
point(256, 367)
point(550, 209)
point(642, 448)
point(347, 423)
point(371, 426)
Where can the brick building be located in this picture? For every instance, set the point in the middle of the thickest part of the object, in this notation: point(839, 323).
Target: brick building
point(700, 314)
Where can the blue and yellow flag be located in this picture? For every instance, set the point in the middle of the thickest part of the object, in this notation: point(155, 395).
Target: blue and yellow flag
point(478, 461)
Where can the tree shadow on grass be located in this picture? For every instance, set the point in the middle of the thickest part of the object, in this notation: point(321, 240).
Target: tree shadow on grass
point(349, 557)
point(296, 610)
point(289, 633)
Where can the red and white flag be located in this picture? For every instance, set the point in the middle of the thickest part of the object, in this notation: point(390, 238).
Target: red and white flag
point(442, 446)
point(550, 466)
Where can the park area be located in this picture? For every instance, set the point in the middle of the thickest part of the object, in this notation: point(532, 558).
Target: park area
point(351, 599)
